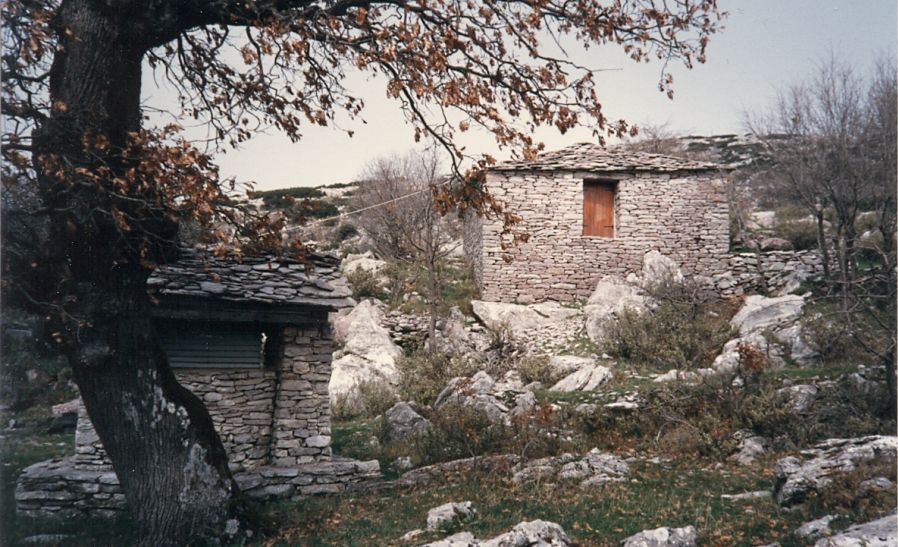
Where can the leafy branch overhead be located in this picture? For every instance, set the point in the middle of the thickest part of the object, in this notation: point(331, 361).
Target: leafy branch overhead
point(501, 66)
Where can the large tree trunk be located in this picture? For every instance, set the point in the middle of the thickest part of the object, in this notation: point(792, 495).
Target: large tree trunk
point(161, 440)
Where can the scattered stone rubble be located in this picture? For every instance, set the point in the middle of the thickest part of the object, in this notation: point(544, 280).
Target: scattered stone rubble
point(797, 477)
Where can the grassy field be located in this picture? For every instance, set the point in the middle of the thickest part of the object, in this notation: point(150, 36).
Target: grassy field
point(667, 494)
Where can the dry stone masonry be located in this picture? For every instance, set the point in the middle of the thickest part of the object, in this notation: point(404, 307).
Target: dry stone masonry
point(273, 418)
point(671, 205)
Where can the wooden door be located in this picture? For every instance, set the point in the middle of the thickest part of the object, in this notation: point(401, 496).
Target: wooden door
point(598, 208)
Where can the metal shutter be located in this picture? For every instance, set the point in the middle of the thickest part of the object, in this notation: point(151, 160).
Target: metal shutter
point(212, 345)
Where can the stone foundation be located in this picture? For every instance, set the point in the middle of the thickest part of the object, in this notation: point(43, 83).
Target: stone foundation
point(63, 488)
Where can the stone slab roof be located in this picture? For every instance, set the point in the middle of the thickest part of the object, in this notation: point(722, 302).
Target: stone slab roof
point(591, 157)
point(275, 281)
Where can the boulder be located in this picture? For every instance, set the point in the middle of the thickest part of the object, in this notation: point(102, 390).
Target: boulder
point(760, 313)
point(797, 478)
point(475, 393)
point(658, 270)
point(594, 468)
point(521, 320)
point(588, 378)
point(799, 350)
point(801, 397)
point(775, 244)
point(535, 533)
point(403, 423)
point(516, 317)
point(750, 448)
point(365, 261)
point(882, 532)
point(562, 365)
point(611, 297)
point(761, 220)
point(368, 352)
point(734, 353)
point(663, 537)
point(815, 528)
point(450, 513)
point(461, 539)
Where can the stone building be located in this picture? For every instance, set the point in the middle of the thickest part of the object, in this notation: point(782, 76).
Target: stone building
point(591, 212)
point(252, 340)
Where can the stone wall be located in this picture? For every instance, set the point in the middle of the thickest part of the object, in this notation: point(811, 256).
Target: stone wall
point(772, 272)
point(685, 216)
point(247, 404)
point(63, 489)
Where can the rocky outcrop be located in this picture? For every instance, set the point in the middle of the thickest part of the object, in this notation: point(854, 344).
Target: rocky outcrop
point(450, 513)
point(881, 532)
point(663, 537)
point(751, 447)
point(760, 313)
point(797, 477)
point(535, 533)
point(658, 270)
point(610, 298)
point(403, 423)
point(368, 353)
point(815, 528)
point(594, 468)
point(497, 401)
point(563, 365)
point(364, 261)
point(588, 378)
point(778, 316)
point(544, 326)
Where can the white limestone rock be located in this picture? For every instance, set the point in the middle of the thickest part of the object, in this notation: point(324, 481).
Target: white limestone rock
point(365, 261)
point(760, 313)
point(521, 320)
point(658, 269)
point(610, 298)
point(750, 448)
point(815, 528)
point(368, 352)
point(586, 379)
point(449, 513)
point(663, 537)
point(797, 478)
point(562, 365)
point(801, 397)
point(403, 423)
point(882, 532)
point(535, 533)
point(461, 539)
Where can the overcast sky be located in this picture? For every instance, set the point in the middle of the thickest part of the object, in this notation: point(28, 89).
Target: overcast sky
point(766, 44)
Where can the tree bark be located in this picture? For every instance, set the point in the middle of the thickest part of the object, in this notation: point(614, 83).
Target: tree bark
point(161, 440)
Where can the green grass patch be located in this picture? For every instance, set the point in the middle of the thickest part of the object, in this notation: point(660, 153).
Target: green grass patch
point(657, 495)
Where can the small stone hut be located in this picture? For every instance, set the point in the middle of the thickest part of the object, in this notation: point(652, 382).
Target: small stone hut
point(252, 340)
point(591, 212)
